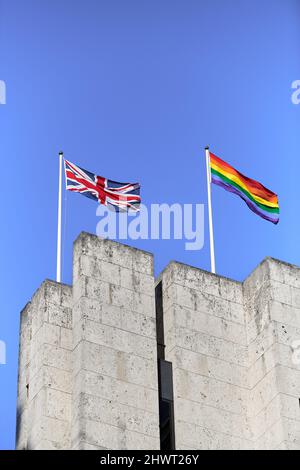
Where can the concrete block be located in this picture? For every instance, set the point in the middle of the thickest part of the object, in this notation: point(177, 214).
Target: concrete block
point(113, 252)
point(117, 364)
point(88, 359)
point(47, 334)
point(109, 388)
point(136, 281)
point(281, 293)
point(289, 406)
point(284, 273)
point(54, 356)
point(89, 309)
point(66, 338)
point(266, 418)
point(208, 391)
point(211, 346)
point(58, 404)
point(295, 296)
point(113, 413)
point(200, 438)
point(214, 419)
point(54, 430)
point(99, 290)
point(116, 338)
point(128, 320)
point(60, 316)
point(288, 381)
point(272, 438)
point(285, 314)
point(112, 437)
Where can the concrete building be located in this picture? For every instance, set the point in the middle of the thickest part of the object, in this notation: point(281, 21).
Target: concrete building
point(191, 361)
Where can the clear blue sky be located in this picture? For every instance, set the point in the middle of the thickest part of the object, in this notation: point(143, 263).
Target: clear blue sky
point(134, 90)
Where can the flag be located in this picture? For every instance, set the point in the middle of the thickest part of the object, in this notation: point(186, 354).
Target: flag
point(259, 199)
point(119, 196)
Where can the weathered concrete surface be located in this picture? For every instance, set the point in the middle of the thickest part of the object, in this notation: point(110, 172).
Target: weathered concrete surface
point(235, 368)
point(88, 356)
point(88, 361)
point(44, 394)
point(115, 394)
point(272, 316)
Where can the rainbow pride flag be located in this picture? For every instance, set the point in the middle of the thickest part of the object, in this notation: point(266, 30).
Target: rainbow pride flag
point(259, 199)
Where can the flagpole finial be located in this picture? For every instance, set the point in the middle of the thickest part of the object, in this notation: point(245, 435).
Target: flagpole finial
point(207, 147)
point(61, 153)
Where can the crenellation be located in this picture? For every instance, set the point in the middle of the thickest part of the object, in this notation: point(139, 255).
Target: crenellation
point(88, 376)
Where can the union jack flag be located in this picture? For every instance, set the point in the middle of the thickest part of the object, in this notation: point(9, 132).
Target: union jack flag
point(119, 196)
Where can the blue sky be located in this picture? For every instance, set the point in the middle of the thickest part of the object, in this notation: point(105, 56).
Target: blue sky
point(134, 90)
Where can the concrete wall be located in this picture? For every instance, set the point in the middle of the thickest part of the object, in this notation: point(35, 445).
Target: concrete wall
point(88, 356)
point(272, 307)
point(233, 346)
point(44, 395)
point(206, 341)
point(88, 360)
point(115, 401)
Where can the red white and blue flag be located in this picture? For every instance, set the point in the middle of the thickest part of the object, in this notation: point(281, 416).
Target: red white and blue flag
point(119, 196)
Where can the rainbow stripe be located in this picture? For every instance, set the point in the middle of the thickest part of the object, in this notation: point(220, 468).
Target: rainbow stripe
point(259, 199)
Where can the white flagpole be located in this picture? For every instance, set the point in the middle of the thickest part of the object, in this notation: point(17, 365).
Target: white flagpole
point(210, 219)
point(59, 212)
